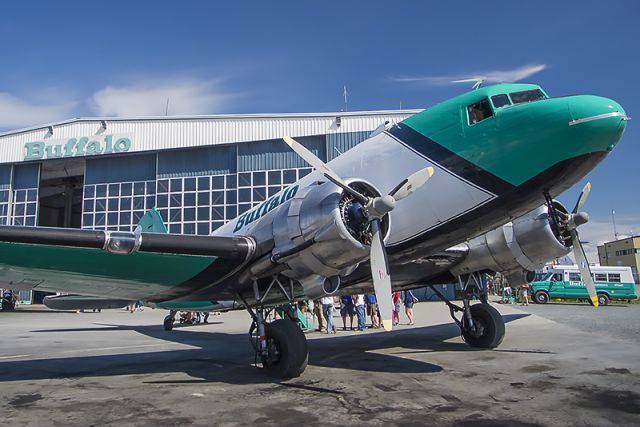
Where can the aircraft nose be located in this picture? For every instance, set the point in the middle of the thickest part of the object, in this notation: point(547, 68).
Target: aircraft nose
point(597, 121)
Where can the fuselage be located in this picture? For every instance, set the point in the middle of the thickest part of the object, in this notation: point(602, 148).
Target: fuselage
point(495, 151)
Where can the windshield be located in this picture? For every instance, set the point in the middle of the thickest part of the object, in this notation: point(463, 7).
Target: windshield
point(527, 96)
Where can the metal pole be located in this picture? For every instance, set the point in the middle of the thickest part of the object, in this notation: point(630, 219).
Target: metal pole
point(613, 217)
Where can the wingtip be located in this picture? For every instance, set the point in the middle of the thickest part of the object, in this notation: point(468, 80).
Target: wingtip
point(430, 171)
point(594, 301)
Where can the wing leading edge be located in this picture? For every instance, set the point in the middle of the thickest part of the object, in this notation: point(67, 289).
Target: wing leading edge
point(151, 266)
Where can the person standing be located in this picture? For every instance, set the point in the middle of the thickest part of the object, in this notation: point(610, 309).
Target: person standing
point(372, 309)
point(317, 312)
point(396, 308)
point(327, 309)
point(359, 302)
point(525, 294)
point(347, 309)
point(409, 300)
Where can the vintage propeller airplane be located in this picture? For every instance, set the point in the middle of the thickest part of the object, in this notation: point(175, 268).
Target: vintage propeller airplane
point(462, 188)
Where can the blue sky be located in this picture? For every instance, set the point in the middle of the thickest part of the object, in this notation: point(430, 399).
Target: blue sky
point(70, 58)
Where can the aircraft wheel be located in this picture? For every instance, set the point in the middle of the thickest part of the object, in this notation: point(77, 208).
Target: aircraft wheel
point(168, 323)
point(489, 330)
point(541, 297)
point(287, 349)
point(603, 299)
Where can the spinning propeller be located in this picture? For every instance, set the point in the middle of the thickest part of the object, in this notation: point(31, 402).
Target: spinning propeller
point(570, 223)
point(373, 210)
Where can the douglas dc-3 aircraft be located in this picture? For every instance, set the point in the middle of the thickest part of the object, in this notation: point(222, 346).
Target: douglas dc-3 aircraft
point(494, 158)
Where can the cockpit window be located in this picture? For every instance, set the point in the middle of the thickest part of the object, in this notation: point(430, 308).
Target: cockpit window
point(500, 100)
point(527, 96)
point(479, 111)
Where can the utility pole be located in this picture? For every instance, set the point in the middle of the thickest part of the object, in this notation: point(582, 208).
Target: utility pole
point(613, 217)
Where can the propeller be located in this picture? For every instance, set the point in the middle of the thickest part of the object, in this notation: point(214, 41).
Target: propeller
point(374, 209)
point(571, 222)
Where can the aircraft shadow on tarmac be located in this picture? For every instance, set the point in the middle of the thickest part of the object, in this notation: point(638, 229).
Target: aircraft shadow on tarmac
point(228, 358)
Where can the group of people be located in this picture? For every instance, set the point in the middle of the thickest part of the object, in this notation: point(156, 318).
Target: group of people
point(510, 297)
point(359, 307)
point(194, 317)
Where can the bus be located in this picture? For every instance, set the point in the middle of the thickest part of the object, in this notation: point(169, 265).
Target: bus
point(565, 281)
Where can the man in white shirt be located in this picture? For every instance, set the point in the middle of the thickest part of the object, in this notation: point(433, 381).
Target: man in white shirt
point(327, 309)
point(359, 301)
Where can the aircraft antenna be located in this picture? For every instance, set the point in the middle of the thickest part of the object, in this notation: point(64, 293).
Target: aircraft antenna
point(477, 81)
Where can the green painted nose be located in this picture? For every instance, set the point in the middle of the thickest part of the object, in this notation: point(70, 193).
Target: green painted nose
point(596, 122)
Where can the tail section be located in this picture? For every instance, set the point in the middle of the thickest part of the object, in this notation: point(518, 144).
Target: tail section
point(151, 222)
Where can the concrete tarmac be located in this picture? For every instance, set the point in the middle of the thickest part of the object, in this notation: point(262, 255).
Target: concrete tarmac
point(117, 368)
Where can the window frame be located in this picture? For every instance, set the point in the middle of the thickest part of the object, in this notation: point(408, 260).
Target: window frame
point(490, 109)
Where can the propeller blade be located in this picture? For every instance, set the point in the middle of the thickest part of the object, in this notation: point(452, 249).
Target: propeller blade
point(321, 166)
point(583, 265)
point(411, 183)
point(380, 274)
point(583, 198)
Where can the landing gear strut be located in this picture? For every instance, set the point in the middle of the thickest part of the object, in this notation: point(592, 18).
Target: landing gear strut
point(280, 345)
point(480, 324)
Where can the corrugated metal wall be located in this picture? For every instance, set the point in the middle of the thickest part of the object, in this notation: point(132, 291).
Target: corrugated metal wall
point(197, 162)
point(338, 143)
point(26, 176)
point(5, 177)
point(139, 167)
point(155, 134)
point(275, 154)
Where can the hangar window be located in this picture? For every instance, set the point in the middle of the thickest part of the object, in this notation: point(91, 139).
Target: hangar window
point(527, 96)
point(479, 111)
point(501, 100)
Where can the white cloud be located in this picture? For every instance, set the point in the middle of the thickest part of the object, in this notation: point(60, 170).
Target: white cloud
point(495, 76)
point(19, 113)
point(598, 232)
point(189, 96)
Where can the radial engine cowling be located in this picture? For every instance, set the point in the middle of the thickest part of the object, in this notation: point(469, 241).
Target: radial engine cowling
point(322, 236)
point(518, 247)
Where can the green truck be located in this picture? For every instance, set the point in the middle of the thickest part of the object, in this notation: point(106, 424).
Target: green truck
point(565, 281)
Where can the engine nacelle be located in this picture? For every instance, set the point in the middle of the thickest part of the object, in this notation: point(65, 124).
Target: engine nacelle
point(516, 248)
point(320, 237)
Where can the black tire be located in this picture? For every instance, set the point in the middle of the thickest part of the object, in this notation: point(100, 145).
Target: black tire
point(603, 299)
point(541, 297)
point(288, 352)
point(168, 323)
point(490, 326)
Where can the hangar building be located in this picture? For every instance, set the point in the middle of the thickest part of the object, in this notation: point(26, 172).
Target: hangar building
point(199, 172)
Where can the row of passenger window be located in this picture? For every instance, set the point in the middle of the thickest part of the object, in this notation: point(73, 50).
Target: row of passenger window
point(598, 277)
point(482, 109)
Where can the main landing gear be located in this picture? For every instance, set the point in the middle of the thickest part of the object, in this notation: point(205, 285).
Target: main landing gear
point(280, 345)
point(480, 324)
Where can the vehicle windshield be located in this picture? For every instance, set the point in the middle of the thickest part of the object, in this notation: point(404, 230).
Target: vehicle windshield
point(543, 276)
point(527, 96)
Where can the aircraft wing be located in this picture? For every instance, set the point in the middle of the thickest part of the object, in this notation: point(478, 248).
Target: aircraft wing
point(149, 266)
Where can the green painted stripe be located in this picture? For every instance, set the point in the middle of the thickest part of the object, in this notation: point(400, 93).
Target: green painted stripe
point(38, 260)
